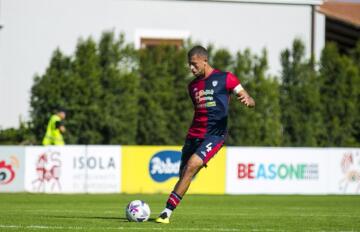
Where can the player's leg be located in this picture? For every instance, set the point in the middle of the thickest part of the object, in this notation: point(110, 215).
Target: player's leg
point(174, 199)
point(193, 166)
point(190, 147)
point(206, 149)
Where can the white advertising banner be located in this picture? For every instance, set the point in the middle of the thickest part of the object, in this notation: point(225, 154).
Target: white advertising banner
point(276, 171)
point(293, 170)
point(73, 169)
point(12, 166)
point(344, 171)
point(103, 166)
point(251, 170)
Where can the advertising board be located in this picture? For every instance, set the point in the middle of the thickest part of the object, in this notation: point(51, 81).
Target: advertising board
point(12, 167)
point(155, 169)
point(276, 171)
point(73, 169)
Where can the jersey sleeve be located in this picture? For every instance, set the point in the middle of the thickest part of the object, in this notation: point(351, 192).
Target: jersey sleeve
point(231, 82)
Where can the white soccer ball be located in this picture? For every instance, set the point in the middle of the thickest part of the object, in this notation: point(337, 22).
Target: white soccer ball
point(137, 211)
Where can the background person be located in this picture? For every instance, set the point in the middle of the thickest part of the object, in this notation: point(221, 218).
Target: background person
point(55, 129)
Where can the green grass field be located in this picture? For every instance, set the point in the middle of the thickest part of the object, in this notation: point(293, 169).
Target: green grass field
point(41, 212)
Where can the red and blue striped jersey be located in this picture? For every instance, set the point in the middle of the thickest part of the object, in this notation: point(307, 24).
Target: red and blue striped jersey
point(210, 97)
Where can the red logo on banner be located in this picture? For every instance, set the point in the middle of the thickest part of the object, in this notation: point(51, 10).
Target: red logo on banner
point(48, 168)
point(246, 171)
point(7, 174)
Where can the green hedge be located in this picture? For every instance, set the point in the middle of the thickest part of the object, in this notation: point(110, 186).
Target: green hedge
point(116, 94)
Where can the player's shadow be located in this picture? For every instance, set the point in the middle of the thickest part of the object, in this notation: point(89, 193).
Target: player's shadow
point(121, 219)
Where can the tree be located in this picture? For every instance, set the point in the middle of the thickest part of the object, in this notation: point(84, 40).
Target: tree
point(47, 92)
point(156, 96)
point(83, 99)
point(120, 81)
point(22, 135)
point(115, 94)
point(259, 126)
point(299, 99)
point(339, 97)
point(181, 113)
point(98, 86)
point(355, 55)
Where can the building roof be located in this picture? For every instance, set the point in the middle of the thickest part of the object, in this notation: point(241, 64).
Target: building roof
point(287, 2)
point(348, 12)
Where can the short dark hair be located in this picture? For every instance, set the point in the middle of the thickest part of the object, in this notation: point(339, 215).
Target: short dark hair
point(198, 50)
point(60, 109)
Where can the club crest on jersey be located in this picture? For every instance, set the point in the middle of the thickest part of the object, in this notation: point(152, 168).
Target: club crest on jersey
point(214, 83)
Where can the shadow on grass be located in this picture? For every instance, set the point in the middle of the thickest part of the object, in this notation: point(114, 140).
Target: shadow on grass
point(121, 219)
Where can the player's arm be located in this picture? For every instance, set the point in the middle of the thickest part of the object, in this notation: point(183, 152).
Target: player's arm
point(244, 96)
point(233, 85)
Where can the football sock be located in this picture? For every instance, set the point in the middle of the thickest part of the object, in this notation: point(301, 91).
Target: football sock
point(166, 213)
point(172, 202)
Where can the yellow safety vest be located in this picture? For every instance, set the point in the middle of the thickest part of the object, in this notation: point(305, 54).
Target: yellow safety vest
point(53, 135)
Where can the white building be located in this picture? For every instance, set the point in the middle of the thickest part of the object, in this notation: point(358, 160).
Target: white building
point(32, 30)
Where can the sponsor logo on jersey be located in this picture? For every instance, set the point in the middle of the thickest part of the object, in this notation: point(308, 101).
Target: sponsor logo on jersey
point(204, 98)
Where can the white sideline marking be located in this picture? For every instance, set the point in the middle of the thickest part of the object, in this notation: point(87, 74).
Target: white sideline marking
point(31, 227)
point(113, 228)
point(245, 215)
point(120, 228)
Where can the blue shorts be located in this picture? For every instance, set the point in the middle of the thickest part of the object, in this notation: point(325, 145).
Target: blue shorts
point(205, 148)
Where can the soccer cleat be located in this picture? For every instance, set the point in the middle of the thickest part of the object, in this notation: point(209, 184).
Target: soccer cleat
point(163, 218)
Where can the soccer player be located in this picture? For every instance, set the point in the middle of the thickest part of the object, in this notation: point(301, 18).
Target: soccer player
point(210, 92)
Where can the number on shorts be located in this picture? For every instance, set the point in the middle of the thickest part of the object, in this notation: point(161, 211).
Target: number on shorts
point(208, 147)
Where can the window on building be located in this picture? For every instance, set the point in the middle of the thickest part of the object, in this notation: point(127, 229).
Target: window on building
point(151, 38)
point(152, 42)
